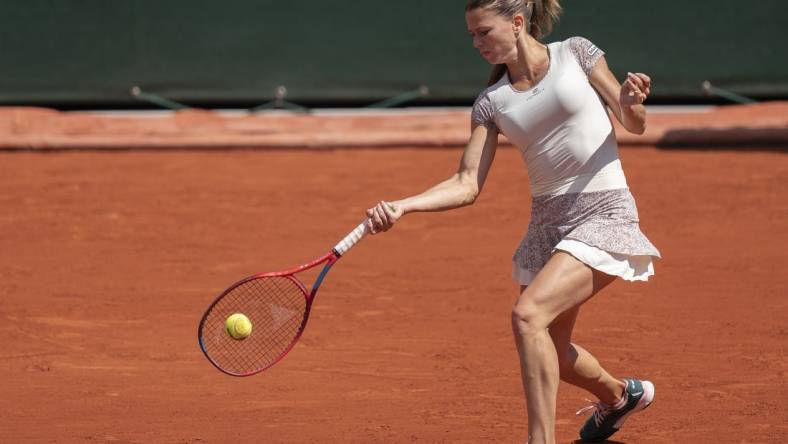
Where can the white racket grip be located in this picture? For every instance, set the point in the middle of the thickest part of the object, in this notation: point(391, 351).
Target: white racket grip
point(352, 239)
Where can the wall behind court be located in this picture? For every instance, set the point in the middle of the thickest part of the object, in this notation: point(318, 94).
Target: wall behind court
point(91, 52)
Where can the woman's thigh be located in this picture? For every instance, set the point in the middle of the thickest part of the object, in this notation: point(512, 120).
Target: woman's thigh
point(563, 284)
point(562, 327)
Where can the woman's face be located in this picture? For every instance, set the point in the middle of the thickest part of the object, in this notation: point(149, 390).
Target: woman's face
point(494, 35)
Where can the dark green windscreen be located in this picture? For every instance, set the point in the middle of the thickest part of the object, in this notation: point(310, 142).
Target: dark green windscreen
point(239, 51)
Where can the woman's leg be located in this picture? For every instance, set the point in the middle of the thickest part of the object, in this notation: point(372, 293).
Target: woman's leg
point(563, 283)
point(579, 367)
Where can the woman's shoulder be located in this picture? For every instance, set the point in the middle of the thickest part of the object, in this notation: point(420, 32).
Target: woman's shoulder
point(483, 111)
point(581, 46)
point(484, 99)
point(583, 50)
point(484, 107)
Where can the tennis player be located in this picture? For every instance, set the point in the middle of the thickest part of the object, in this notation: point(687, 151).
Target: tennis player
point(551, 101)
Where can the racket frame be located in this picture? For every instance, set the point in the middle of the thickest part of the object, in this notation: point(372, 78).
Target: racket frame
point(329, 258)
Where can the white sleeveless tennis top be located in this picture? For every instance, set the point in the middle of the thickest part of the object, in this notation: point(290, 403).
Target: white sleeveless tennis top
point(560, 125)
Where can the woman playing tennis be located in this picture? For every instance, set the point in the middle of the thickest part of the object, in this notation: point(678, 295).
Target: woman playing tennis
point(551, 102)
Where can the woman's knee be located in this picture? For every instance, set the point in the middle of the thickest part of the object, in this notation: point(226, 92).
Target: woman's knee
point(529, 317)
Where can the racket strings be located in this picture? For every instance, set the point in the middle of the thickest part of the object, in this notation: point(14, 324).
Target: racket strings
point(275, 305)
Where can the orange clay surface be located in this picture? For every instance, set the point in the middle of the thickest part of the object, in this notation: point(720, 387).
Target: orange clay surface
point(108, 259)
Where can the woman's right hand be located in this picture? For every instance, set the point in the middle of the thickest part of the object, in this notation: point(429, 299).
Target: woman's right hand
point(383, 216)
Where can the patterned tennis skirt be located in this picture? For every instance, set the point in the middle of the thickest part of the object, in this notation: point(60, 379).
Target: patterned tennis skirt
point(599, 228)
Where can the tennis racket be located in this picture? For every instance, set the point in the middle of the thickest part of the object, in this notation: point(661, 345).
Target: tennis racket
point(277, 304)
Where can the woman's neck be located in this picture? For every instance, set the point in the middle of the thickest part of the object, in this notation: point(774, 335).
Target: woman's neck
point(531, 63)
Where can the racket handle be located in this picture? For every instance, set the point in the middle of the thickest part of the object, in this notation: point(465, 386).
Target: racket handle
point(352, 239)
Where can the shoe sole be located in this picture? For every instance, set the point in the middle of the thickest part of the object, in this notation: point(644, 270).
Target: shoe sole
point(643, 402)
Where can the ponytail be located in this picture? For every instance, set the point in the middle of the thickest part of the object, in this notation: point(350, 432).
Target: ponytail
point(546, 13)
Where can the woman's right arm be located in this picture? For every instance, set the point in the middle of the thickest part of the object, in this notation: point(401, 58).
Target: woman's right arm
point(461, 189)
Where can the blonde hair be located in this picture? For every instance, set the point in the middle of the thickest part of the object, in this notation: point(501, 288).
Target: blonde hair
point(540, 16)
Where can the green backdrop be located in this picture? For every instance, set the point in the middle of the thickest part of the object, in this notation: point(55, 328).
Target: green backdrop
point(91, 52)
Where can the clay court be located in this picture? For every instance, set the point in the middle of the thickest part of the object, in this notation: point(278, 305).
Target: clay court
point(110, 258)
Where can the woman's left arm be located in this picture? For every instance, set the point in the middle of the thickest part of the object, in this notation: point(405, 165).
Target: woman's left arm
point(626, 101)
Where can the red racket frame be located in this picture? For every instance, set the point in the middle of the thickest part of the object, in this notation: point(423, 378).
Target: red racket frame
point(329, 258)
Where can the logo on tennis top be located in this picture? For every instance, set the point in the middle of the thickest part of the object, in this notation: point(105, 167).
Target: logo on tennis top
point(592, 50)
point(535, 92)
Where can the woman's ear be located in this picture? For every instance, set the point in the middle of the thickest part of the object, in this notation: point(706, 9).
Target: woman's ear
point(517, 24)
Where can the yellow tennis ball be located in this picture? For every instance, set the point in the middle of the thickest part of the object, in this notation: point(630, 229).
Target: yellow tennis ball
point(238, 326)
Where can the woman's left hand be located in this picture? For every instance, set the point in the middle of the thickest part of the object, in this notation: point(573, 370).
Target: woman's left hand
point(635, 89)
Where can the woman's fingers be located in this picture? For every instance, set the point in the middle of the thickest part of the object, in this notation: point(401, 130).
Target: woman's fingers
point(381, 217)
point(371, 221)
point(636, 84)
point(636, 80)
point(377, 222)
point(641, 81)
point(630, 88)
point(646, 88)
point(646, 79)
point(384, 216)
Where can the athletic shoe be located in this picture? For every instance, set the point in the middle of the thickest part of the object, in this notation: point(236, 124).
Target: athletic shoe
point(607, 419)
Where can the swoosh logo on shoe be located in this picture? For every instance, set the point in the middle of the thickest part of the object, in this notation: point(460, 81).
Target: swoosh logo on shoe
point(637, 394)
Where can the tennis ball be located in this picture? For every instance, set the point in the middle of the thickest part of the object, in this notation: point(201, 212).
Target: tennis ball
point(238, 326)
